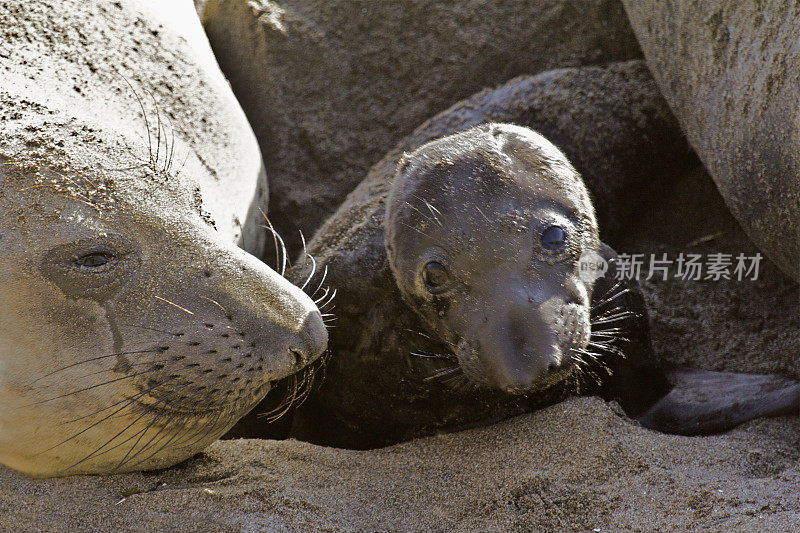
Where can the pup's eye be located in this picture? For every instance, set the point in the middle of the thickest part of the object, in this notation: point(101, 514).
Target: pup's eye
point(435, 275)
point(93, 259)
point(554, 238)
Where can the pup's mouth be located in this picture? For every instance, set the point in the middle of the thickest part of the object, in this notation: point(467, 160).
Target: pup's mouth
point(466, 370)
point(461, 367)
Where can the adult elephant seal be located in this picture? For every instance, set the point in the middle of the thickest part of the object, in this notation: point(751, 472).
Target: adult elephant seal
point(729, 71)
point(134, 331)
point(461, 297)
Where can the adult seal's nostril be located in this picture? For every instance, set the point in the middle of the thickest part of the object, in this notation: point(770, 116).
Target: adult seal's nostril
point(312, 340)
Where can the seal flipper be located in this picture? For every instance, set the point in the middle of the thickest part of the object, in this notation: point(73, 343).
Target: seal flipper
point(681, 401)
point(629, 371)
point(702, 402)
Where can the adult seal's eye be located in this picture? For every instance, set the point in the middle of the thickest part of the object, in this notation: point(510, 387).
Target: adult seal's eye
point(92, 268)
point(554, 238)
point(435, 276)
point(93, 260)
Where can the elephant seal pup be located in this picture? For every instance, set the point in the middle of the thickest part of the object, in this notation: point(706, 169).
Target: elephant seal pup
point(488, 310)
point(615, 128)
point(478, 309)
point(134, 329)
point(498, 204)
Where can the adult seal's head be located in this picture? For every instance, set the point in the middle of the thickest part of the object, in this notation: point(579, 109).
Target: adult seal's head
point(484, 231)
point(132, 335)
point(134, 329)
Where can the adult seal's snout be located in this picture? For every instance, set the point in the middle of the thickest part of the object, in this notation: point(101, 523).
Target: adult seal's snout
point(312, 339)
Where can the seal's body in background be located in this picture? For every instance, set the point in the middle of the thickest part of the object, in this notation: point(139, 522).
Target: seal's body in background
point(391, 375)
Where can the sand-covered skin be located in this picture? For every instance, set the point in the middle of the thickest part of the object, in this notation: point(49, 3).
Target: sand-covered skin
point(128, 176)
point(576, 466)
point(87, 61)
point(729, 71)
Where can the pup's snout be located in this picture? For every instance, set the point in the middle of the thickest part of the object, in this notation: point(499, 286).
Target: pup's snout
point(520, 348)
point(525, 374)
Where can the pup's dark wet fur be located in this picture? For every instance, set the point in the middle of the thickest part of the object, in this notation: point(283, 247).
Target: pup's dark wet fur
point(459, 304)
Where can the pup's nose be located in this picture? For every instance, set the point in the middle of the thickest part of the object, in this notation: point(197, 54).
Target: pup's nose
point(518, 379)
point(312, 340)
